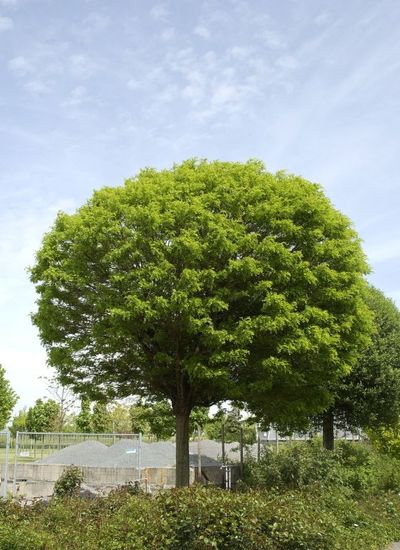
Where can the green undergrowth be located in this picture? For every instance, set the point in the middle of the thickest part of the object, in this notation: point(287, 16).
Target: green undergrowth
point(205, 518)
point(351, 466)
point(303, 498)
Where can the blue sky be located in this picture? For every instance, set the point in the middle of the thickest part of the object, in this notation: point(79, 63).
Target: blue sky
point(93, 90)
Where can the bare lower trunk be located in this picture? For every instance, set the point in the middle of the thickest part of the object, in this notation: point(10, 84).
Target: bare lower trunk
point(182, 449)
point(328, 437)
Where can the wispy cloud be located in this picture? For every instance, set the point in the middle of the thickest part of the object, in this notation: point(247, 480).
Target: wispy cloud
point(81, 66)
point(21, 66)
point(77, 97)
point(6, 24)
point(168, 33)
point(202, 31)
point(37, 87)
point(159, 12)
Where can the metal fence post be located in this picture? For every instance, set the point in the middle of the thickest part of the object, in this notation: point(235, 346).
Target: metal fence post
point(139, 465)
point(199, 453)
point(4, 485)
point(223, 442)
point(16, 450)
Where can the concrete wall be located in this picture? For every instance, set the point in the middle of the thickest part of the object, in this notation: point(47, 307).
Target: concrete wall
point(37, 480)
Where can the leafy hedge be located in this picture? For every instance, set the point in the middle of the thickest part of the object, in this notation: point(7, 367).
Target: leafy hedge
point(203, 519)
point(303, 498)
point(351, 466)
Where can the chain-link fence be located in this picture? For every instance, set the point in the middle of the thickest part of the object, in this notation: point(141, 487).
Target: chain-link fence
point(4, 462)
point(106, 460)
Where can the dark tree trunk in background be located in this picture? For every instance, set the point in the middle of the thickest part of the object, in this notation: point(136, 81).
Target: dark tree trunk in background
point(182, 448)
point(328, 436)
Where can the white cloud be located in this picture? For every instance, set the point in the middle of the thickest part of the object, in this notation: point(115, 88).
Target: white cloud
point(202, 31)
point(322, 18)
point(21, 66)
point(159, 12)
point(6, 24)
point(168, 34)
point(82, 66)
point(96, 22)
point(224, 93)
point(195, 89)
point(77, 97)
point(287, 62)
point(37, 87)
point(274, 40)
point(241, 52)
point(133, 84)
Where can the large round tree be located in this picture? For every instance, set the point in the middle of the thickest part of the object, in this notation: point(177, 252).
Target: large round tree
point(199, 284)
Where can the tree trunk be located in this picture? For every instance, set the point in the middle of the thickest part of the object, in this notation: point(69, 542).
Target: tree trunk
point(182, 449)
point(328, 437)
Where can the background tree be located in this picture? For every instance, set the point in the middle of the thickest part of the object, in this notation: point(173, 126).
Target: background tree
point(369, 397)
point(83, 420)
point(138, 419)
point(120, 418)
point(66, 401)
point(18, 423)
point(231, 421)
point(157, 419)
point(185, 282)
point(160, 418)
point(43, 416)
point(8, 399)
point(101, 420)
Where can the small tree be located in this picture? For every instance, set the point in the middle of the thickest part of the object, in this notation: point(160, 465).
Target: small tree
point(101, 419)
point(8, 399)
point(84, 419)
point(18, 423)
point(65, 399)
point(43, 416)
point(120, 418)
point(230, 420)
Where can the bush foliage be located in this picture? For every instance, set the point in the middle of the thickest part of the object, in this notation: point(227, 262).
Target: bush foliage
point(306, 499)
point(69, 482)
point(353, 467)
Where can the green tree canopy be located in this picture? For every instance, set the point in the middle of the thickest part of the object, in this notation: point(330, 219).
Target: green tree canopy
point(369, 397)
point(120, 418)
point(18, 423)
point(84, 419)
point(101, 419)
point(8, 399)
point(231, 422)
point(200, 283)
point(43, 416)
point(157, 419)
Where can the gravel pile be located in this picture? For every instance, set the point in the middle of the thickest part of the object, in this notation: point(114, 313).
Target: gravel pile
point(86, 453)
point(123, 454)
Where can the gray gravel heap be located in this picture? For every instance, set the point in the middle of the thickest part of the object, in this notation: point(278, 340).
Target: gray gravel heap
point(123, 454)
point(86, 453)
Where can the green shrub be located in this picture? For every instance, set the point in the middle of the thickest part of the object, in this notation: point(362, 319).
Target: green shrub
point(69, 482)
point(313, 518)
point(352, 465)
